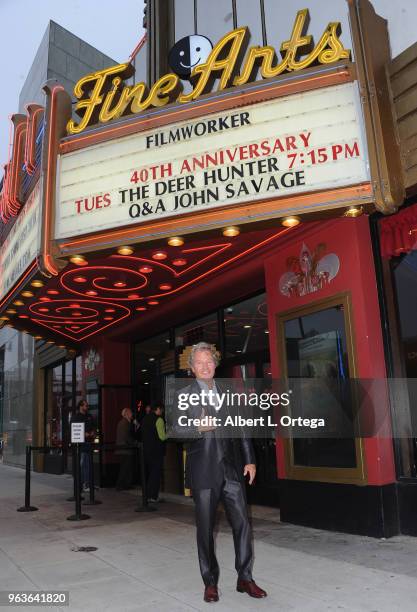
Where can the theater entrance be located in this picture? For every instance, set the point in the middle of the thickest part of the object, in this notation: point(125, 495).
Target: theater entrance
point(240, 332)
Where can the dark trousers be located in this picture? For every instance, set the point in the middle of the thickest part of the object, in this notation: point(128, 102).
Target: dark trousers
point(153, 468)
point(85, 467)
point(230, 490)
point(125, 477)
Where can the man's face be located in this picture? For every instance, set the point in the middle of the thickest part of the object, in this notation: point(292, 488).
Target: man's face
point(84, 407)
point(203, 366)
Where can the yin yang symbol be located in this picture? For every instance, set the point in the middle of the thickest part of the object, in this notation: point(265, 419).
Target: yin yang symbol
point(188, 53)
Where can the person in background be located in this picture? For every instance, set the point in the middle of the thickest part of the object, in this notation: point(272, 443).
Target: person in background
point(153, 438)
point(125, 437)
point(82, 416)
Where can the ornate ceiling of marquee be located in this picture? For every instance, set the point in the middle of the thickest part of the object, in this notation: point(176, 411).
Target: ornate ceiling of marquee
point(88, 299)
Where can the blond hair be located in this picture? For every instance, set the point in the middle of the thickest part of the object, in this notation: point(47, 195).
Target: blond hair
point(204, 346)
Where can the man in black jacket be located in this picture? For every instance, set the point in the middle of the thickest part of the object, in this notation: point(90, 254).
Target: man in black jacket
point(215, 469)
point(153, 437)
point(82, 416)
point(124, 437)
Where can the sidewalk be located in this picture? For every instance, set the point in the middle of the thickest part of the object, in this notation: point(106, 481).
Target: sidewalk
point(148, 561)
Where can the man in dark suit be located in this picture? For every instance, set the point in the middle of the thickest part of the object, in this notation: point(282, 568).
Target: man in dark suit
point(215, 470)
point(124, 437)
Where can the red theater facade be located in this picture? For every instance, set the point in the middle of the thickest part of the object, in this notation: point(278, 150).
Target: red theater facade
point(239, 216)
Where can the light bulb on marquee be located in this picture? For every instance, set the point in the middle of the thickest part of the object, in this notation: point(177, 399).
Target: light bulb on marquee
point(125, 250)
point(290, 221)
point(231, 231)
point(176, 241)
point(353, 211)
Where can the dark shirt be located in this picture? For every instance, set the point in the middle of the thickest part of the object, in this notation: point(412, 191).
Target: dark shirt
point(124, 437)
point(152, 444)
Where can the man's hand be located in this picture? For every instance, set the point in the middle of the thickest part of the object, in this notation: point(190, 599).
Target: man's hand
point(250, 469)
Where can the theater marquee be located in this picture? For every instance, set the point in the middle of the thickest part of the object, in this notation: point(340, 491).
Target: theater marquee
point(306, 142)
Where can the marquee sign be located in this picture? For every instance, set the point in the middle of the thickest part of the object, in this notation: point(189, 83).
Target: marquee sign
point(22, 244)
point(103, 96)
point(305, 142)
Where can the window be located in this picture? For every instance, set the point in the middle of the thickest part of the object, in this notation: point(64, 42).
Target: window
point(319, 366)
point(246, 327)
point(63, 387)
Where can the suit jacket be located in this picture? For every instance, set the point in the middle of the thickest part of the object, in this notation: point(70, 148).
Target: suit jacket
point(205, 451)
point(124, 437)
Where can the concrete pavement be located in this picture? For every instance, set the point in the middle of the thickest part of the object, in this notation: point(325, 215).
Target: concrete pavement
point(149, 561)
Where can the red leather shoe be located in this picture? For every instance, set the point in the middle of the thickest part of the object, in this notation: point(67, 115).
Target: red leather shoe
point(211, 593)
point(251, 588)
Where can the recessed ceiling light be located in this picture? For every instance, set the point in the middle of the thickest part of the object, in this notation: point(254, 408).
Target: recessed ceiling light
point(165, 287)
point(353, 211)
point(231, 231)
point(125, 250)
point(140, 308)
point(91, 292)
point(145, 269)
point(159, 255)
point(27, 294)
point(151, 358)
point(52, 292)
point(290, 221)
point(78, 260)
point(119, 284)
point(37, 283)
point(18, 303)
point(153, 302)
point(11, 311)
point(80, 279)
point(180, 261)
point(247, 326)
point(176, 241)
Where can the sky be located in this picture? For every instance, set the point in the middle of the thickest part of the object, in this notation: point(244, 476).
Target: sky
point(23, 23)
point(115, 28)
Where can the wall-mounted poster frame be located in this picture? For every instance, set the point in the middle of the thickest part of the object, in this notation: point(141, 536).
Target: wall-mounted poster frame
point(354, 474)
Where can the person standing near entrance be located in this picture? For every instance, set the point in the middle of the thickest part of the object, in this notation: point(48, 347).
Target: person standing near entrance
point(215, 470)
point(153, 437)
point(124, 437)
point(82, 416)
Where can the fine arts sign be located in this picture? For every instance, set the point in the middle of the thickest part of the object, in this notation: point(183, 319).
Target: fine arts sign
point(103, 96)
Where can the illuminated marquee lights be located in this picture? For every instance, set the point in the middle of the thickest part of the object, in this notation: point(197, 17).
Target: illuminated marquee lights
point(89, 320)
point(93, 310)
point(103, 93)
point(22, 157)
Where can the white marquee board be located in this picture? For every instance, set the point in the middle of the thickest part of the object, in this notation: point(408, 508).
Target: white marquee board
point(22, 244)
point(304, 142)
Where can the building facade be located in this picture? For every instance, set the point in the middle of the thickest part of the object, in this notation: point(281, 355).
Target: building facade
point(236, 189)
